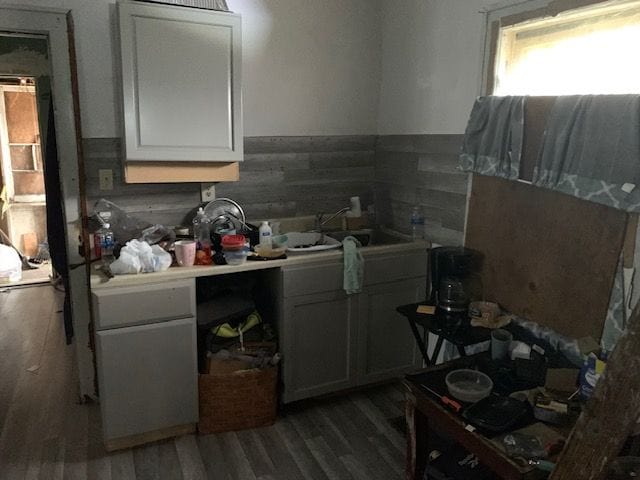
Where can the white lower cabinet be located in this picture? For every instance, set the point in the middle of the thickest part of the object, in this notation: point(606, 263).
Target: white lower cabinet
point(147, 374)
point(387, 348)
point(319, 353)
point(332, 341)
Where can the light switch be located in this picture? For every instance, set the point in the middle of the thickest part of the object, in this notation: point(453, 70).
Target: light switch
point(106, 179)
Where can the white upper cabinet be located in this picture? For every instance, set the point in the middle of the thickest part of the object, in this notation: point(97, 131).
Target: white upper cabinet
point(180, 83)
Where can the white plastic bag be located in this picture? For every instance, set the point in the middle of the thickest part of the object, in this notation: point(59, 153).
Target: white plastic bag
point(126, 263)
point(137, 256)
point(10, 264)
point(162, 258)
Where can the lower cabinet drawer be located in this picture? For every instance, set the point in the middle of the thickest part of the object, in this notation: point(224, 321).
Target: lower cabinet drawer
point(149, 303)
point(147, 377)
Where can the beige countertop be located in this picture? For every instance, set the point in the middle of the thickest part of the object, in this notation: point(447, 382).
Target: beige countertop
point(99, 280)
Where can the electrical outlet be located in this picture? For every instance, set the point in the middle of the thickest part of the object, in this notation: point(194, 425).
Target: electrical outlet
point(106, 179)
point(207, 192)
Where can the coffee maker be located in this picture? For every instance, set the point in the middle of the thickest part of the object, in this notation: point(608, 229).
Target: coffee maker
point(454, 282)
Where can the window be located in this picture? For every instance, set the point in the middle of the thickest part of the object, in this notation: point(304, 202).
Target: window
point(589, 50)
point(20, 154)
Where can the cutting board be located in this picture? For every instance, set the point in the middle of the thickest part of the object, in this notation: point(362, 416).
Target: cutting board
point(548, 256)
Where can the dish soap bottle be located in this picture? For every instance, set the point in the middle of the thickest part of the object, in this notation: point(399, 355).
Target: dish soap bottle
point(266, 234)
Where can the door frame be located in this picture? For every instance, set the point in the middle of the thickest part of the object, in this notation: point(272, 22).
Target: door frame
point(54, 24)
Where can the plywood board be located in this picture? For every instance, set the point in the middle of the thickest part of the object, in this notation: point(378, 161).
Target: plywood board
point(549, 257)
point(22, 117)
point(172, 172)
point(28, 183)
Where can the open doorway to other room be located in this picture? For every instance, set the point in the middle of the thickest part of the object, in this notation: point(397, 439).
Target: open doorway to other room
point(23, 222)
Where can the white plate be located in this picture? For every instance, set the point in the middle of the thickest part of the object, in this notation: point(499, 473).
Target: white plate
point(296, 239)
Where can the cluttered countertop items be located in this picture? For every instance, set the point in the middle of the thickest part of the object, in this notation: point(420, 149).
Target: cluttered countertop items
point(220, 235)
point(517, 383)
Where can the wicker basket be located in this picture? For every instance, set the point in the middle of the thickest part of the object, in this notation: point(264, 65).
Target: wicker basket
point(233, 397)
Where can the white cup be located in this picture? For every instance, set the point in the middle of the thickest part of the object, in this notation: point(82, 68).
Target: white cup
point(500, 341)
point(185, 252)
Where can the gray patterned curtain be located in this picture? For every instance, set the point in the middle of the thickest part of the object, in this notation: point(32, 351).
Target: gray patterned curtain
point(591, 150)
point(493, 138)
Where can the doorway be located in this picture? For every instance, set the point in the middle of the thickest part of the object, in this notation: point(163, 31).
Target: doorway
point(24, 201)
point(54, 71)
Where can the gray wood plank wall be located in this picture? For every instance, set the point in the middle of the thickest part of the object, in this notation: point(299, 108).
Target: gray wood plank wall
point(299, 176)
point(280, 177)
point(422, 170)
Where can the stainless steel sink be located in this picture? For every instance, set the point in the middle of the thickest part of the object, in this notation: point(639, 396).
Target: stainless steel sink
point(368, 236)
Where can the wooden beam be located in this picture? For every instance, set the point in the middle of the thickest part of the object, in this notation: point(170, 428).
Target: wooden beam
point(609, 417)
point(172, 172)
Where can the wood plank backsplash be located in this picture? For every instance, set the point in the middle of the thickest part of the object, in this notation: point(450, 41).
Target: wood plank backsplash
point(280, 177)
point(300, 176)
point(422, 170)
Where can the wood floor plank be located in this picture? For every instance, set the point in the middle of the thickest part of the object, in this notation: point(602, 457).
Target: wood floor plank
point(364, 451)
point(327, 429)
point(305, 425)
point(389, 453)
point(169, 464)
point(146, 460)
point(213, 458)
point(76, 439)
point(25, 423)
point(381, 423)
point(328, 461)
point(52, 463)
point(122, 465)
point(388, 408)
point(98, 462)
point(237, 463)
point(298, 449)
point(283, 462)
point(355, 468)
point(256, 453)
point(189, 458)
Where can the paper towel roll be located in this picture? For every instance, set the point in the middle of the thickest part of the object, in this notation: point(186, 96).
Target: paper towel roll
point(355, 210)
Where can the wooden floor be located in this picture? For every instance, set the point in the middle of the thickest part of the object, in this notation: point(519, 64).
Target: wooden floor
point(45, 433)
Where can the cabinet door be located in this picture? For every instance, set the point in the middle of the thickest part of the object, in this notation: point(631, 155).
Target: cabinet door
point(180, 83)
point(387, 348)
point(148, 377)
point(318, 338)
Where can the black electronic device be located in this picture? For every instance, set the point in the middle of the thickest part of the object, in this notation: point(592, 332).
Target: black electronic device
point(454, 282)
point(497, 414)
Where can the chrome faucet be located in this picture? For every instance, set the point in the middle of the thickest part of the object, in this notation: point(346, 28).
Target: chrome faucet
point(320, 223)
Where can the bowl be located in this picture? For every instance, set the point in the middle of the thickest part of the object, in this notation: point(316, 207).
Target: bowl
point(468, 385)
point(278, 241)
point(269, 251)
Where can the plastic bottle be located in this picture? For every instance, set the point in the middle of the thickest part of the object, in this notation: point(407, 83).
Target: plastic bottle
point(266, 234)
point(201, 227)
point(98, 236)
point(202, 235)
point(107, 243)
point(417, 224)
